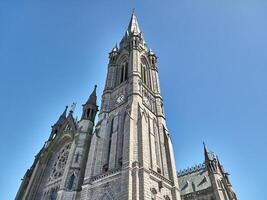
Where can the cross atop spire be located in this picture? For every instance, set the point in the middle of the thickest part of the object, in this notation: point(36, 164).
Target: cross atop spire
point(133, 26)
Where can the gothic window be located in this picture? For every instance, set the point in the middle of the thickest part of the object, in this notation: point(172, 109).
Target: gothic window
point(145, 75)
point(60, 162)
point(124, 72)
point(71, 182)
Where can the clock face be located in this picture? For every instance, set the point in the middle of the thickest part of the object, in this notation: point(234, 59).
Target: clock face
point(120, 99)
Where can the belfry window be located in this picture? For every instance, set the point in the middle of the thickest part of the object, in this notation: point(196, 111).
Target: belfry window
point(124, 72)
point(145, 75)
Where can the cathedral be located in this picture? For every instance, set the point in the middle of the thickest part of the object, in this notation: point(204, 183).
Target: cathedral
point(128, 153)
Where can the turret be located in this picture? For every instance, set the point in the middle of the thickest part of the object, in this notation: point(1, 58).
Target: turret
point(90, 108)
point(152, 59)
point(113, 54)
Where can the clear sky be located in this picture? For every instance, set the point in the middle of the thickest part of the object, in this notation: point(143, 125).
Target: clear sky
point(212, 58)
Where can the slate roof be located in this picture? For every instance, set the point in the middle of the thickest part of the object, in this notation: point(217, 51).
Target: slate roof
point(194, 179)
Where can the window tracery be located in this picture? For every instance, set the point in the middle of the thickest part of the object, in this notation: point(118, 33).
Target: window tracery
point(60, 162)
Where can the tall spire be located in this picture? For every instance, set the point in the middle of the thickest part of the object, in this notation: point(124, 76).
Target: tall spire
point(133, 26)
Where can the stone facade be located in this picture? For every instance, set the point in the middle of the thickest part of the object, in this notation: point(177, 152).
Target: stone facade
point(128, 154)
point(207, 181)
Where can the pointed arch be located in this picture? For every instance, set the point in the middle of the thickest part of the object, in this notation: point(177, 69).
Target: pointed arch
point(122, 69)
point(145, 72)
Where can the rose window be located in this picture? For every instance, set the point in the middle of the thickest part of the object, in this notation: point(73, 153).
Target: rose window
point(60, 162)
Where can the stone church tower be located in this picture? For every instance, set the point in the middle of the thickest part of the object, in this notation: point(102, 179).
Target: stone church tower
point(129, 154)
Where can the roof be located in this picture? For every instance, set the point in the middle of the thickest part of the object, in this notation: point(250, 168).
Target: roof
point(194, 179)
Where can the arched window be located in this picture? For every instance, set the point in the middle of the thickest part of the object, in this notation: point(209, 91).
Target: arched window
point(124, 72)
point(71, 182)
point(145, 74)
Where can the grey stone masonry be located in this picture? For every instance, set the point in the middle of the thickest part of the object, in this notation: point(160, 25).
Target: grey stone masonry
point(128, 154)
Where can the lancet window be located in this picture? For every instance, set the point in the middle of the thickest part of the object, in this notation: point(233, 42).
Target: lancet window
point(145, 74)
point(123, 72)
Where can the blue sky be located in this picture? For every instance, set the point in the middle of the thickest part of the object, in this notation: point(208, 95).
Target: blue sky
point(212, 65)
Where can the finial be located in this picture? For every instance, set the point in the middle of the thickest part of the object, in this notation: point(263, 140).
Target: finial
point(133, 11)
point(66, 108)
point(95, 87)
